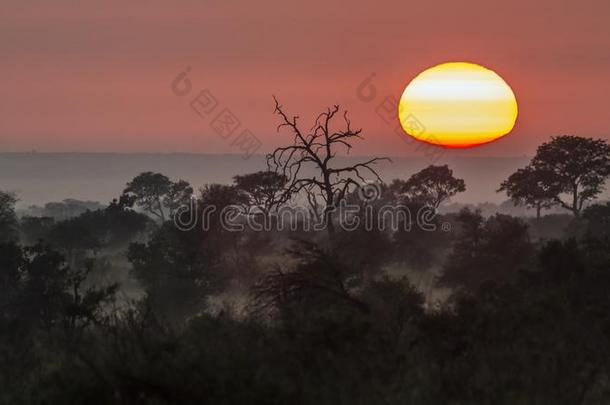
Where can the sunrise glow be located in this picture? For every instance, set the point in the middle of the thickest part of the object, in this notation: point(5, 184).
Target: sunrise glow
point(458, 105)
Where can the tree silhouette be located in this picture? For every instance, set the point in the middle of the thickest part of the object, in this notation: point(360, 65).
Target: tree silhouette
point(179, 194)
point(576, 166)
point(8, 219)
point(314, 151)
point(148, 190)
point(176, 268)
point(317, 277)
point(433, 186)
point(155, 192)
point(264, 189)
point(34, 229)
point(486, 250)
point(47, 291)
point(529, 187)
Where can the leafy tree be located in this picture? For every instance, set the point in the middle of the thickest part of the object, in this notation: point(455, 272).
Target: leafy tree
point(221, 196)
point(75, 239)
point(597, 220)
point(593, 232)
point(149, 190)
point(155, 193)
point(178, 270)
point(34, 229)
point(116, 225)
point(215, 198)
point(11, 261)
point(46, 291)
point(531, 188)
point(418, 247)
point(367, 244)
point(179, 194)
point(8, 219)
point(47, 310)
point(433, 186)
point(576, 166)
point(69, 208)
point(523, 340)
point(486, 250)
point(264, 189)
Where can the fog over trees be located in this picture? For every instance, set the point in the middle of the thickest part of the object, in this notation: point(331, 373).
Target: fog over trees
point(168, 293)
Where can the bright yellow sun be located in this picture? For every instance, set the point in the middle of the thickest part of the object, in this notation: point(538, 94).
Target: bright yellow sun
point(457, 105)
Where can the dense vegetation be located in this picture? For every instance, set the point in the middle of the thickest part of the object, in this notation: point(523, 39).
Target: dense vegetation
point(119, 305)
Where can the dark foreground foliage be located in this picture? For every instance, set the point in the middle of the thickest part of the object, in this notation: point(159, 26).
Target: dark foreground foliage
point(112, 306)
point(540, 336)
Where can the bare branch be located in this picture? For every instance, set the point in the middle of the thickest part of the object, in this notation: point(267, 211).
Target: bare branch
point(315, 151)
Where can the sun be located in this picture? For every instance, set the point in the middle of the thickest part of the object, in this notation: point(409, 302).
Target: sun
point(457, 105)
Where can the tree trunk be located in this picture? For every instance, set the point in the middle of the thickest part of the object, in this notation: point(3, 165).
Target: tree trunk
point(575, 209)
point(329, 209)
point(328, 222)
point(162, 214)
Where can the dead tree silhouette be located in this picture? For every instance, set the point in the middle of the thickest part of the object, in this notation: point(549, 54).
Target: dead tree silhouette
point(315, 150)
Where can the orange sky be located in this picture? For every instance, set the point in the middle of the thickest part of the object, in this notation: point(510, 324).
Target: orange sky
point(83, 77)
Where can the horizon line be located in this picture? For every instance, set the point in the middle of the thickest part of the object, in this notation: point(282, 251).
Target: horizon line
point(34, 152)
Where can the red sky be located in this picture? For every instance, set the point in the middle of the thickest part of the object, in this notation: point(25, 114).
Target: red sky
point(83, 77)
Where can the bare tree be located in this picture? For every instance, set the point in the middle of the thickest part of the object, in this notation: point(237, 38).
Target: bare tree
point(316, 149)
point(317, 275)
